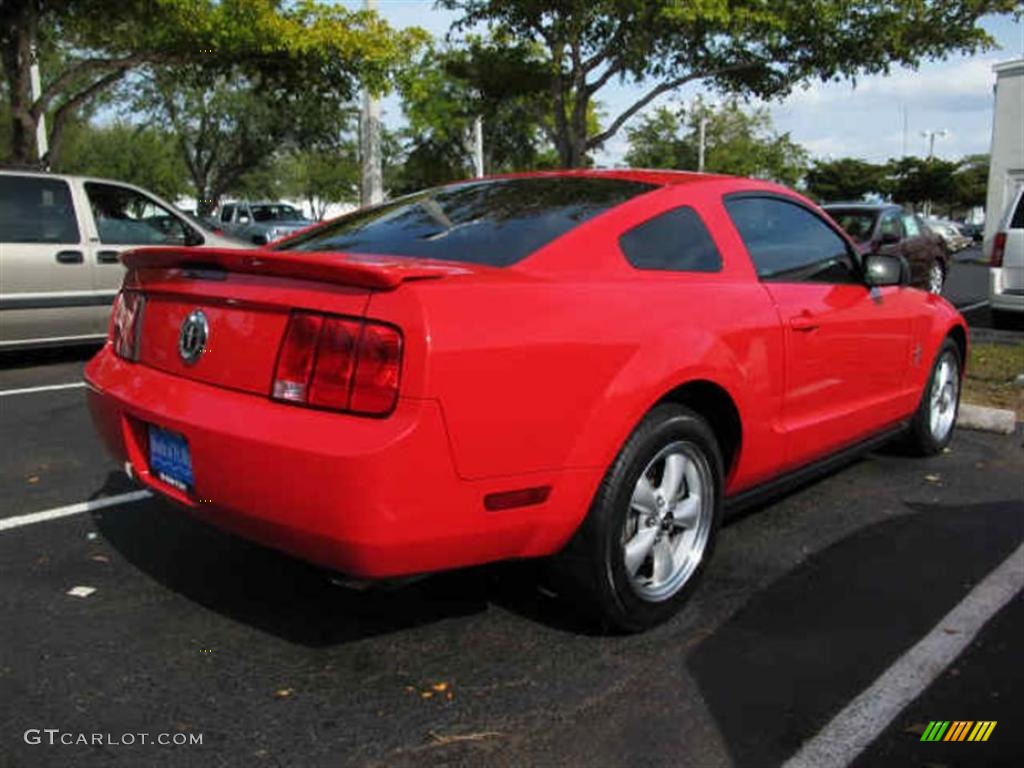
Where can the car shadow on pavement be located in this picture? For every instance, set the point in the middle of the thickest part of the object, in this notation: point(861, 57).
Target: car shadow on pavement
point(296, 601)
point(777, 671)
point(28, 358)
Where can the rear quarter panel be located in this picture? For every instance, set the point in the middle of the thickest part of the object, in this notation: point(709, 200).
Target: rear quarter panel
point(553, 364)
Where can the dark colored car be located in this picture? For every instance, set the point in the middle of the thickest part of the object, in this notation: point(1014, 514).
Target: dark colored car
point(888, 229)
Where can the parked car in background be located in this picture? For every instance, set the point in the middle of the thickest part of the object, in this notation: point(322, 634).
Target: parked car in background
point(261, 223)
point(548, 364)
point(973, 230)
point(949, 231)
point(1006, 271)
point(888, 229)
point(60, 243)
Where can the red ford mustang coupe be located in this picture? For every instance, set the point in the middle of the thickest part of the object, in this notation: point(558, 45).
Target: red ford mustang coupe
point(593, 365)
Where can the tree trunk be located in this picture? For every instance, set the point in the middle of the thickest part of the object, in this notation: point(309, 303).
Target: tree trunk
point(16, 54)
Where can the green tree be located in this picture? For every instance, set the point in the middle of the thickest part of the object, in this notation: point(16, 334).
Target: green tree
point(137, 154)
point(322, 177)
point(739, 142)
point(970, 181)
point(444, 91)
point(739, 46)
point(88, 46)
point(917, 181)
point(231, 126)
point(846, 178)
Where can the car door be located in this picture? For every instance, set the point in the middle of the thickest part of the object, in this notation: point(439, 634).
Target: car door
point(846, 346)
point(122, 218)
point(918, 246)
point(45, 280)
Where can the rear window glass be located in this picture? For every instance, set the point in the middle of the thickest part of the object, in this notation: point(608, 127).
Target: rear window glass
point(676, 240)
point(36, 210)
point(495, 222)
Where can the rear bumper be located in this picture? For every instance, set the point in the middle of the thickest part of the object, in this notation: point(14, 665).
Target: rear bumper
point(1001, 295)
point(373, 498)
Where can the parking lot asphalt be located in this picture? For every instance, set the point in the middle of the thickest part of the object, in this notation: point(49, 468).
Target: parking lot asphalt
point(808, 601)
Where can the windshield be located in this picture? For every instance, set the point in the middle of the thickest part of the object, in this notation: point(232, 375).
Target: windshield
point(275, 213)
point(858, 224)
point(496, 222)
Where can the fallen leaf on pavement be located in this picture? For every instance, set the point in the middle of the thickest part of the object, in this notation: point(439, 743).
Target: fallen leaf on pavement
point(81, 591)
point(283, 693)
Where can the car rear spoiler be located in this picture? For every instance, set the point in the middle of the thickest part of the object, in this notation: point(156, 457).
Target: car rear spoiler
point(360, 270)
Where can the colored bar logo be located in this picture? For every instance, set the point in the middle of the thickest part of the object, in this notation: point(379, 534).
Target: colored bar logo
point(958, 730)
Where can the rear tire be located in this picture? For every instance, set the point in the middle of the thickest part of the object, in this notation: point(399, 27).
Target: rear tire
point(931, 428)
point(651, 527)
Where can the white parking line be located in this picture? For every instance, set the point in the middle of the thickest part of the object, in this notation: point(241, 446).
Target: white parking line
point(864, 718)
point(7, 523)
point(969, 307)
point(47, 388)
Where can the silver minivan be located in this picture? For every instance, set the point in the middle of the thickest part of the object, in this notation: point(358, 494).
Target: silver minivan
point(60, 241)
point(1006, 260)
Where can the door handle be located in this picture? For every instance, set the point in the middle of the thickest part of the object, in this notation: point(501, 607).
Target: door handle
point(70, 257)
point(107, 257)
point(804, 322)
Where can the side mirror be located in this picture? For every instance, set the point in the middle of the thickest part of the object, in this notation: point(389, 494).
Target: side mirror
point(882, 269)
point(890, 238)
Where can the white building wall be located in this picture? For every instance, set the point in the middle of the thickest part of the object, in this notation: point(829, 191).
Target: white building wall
point(1006, 172)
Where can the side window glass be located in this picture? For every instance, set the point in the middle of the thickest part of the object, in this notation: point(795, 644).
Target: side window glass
point(227, 212)
point(36, 210)
point(891, 226)
point(910, 225)
point(788, 243)
point(125, 217)
point(676, 240)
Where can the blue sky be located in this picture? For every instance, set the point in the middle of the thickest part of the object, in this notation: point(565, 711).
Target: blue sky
point(834, 119)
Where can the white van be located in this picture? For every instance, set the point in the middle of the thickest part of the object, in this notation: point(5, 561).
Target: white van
point(1006, 260)
point(60, 241)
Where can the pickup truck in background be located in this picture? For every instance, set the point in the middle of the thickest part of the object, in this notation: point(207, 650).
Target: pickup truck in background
point(260, 223)
point(60, 243)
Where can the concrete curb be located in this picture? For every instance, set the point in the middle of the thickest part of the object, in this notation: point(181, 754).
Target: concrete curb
point(984, 419)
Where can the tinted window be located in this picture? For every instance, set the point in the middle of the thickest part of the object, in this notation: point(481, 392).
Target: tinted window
point(788, 243)
point(490, 222)
point(125, 217)
point(675, 240)
point(36, 210)
point(858, 224)
point(226, 212)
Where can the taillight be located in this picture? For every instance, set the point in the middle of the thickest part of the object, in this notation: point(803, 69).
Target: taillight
point(126, 324)
point(998, 249)
point(339, 363)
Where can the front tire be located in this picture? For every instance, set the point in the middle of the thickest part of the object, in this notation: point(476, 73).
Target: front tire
point(652, 525)
point(931, 429)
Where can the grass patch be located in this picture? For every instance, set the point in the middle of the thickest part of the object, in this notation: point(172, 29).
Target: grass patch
point(991, 371)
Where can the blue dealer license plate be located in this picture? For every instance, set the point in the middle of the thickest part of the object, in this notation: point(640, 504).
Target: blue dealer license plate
point(169, 458)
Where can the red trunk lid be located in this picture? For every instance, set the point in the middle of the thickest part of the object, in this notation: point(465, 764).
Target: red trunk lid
point(245, 298)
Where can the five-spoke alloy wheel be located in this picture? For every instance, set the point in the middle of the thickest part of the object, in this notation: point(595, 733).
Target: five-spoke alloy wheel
point(652, 524)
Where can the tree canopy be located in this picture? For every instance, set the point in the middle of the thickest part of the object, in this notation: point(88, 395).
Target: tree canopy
point(737, 46)
point(324, 47)
point(740, 142)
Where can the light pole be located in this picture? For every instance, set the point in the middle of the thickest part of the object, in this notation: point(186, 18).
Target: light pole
point(372, 186)
point(931, 136)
